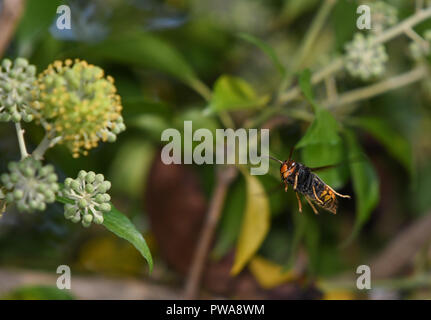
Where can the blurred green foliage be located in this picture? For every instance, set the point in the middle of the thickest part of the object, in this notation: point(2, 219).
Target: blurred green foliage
point(196, 59)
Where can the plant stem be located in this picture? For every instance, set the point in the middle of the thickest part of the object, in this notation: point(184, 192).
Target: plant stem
point(224, 178)
point(375, 89)
point(312, 33)
point(201, 88)
point(306, 45)
point(44, 145)
point(417, 38)
point(337, 64)
point(331, 88)
point(21, 142)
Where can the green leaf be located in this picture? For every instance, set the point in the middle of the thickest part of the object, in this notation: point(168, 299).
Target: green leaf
point(130, 167)
point(269, 51)
point(35, 22)
point(344, 22)
point(397, 145)
point(317, 155)
point(294, 9)
point(135, 106)
point(255, 223)
point(233, 93)
point(306, 88)
point(120, 225)
point(321, 143)
point(231, 219)
point(38, 292)
point(365, 182)
point(144, 50)
point(151, 124)
point(323, 130)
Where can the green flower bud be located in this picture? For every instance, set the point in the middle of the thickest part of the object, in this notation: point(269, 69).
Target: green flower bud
point(89, 188)
point(30, 185)
point(91, 176)
point(82, 203)
point(18, 91)
point(18, 194)
point(88, 192)
point(105, 207)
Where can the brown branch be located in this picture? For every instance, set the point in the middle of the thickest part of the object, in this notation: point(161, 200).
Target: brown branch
point(224, 178)
point(401, 251)
point(10, 15)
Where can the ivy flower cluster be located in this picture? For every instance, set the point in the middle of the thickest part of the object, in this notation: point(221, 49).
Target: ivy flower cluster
point(364, 58)
point(79, 104)
point(17, 90)
point(30, 185)
point(90, 200)
point(76, 105)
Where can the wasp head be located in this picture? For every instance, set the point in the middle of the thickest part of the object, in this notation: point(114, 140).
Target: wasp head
point(287, 168)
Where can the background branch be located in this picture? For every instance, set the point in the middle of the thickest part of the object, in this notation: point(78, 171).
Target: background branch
point(88, 287)
point(225, 176)
point(375, 89)
point(9, 17)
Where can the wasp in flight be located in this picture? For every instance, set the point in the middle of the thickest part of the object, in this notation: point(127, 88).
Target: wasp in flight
point(307, 183)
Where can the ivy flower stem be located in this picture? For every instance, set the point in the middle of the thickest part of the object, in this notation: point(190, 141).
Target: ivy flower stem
point(417, 38)
point(375, 89)
point(21, 142)
point(44, 145)
point(337, 64)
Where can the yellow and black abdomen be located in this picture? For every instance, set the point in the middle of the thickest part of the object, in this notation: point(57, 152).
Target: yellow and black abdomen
point(323, 195)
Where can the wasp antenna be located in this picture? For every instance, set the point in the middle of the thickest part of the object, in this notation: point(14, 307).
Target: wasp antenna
point(291, 152)
point(275, 159)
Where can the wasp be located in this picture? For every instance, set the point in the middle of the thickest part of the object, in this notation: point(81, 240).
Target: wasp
point(307, 183)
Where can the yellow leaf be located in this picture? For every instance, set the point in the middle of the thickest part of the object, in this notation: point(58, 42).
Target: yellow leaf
point(269, 274)
point(255, 223)
point(110, 256)
point(339, 294)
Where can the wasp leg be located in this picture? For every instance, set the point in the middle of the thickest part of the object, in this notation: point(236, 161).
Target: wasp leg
point(315, 196)
point(285, 186)
point(339, 194)
point(312, 206)
point(296, 181)
point(299, 202)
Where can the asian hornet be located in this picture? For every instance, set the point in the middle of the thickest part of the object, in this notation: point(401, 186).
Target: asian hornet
point(307, 183)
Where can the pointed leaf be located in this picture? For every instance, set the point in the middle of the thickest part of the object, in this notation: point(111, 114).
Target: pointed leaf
point(269, 274)
point(233, 93)
point(397, 145)
point(323, 130)
point(121, 226)
point(266, 49)
point(365, 182)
